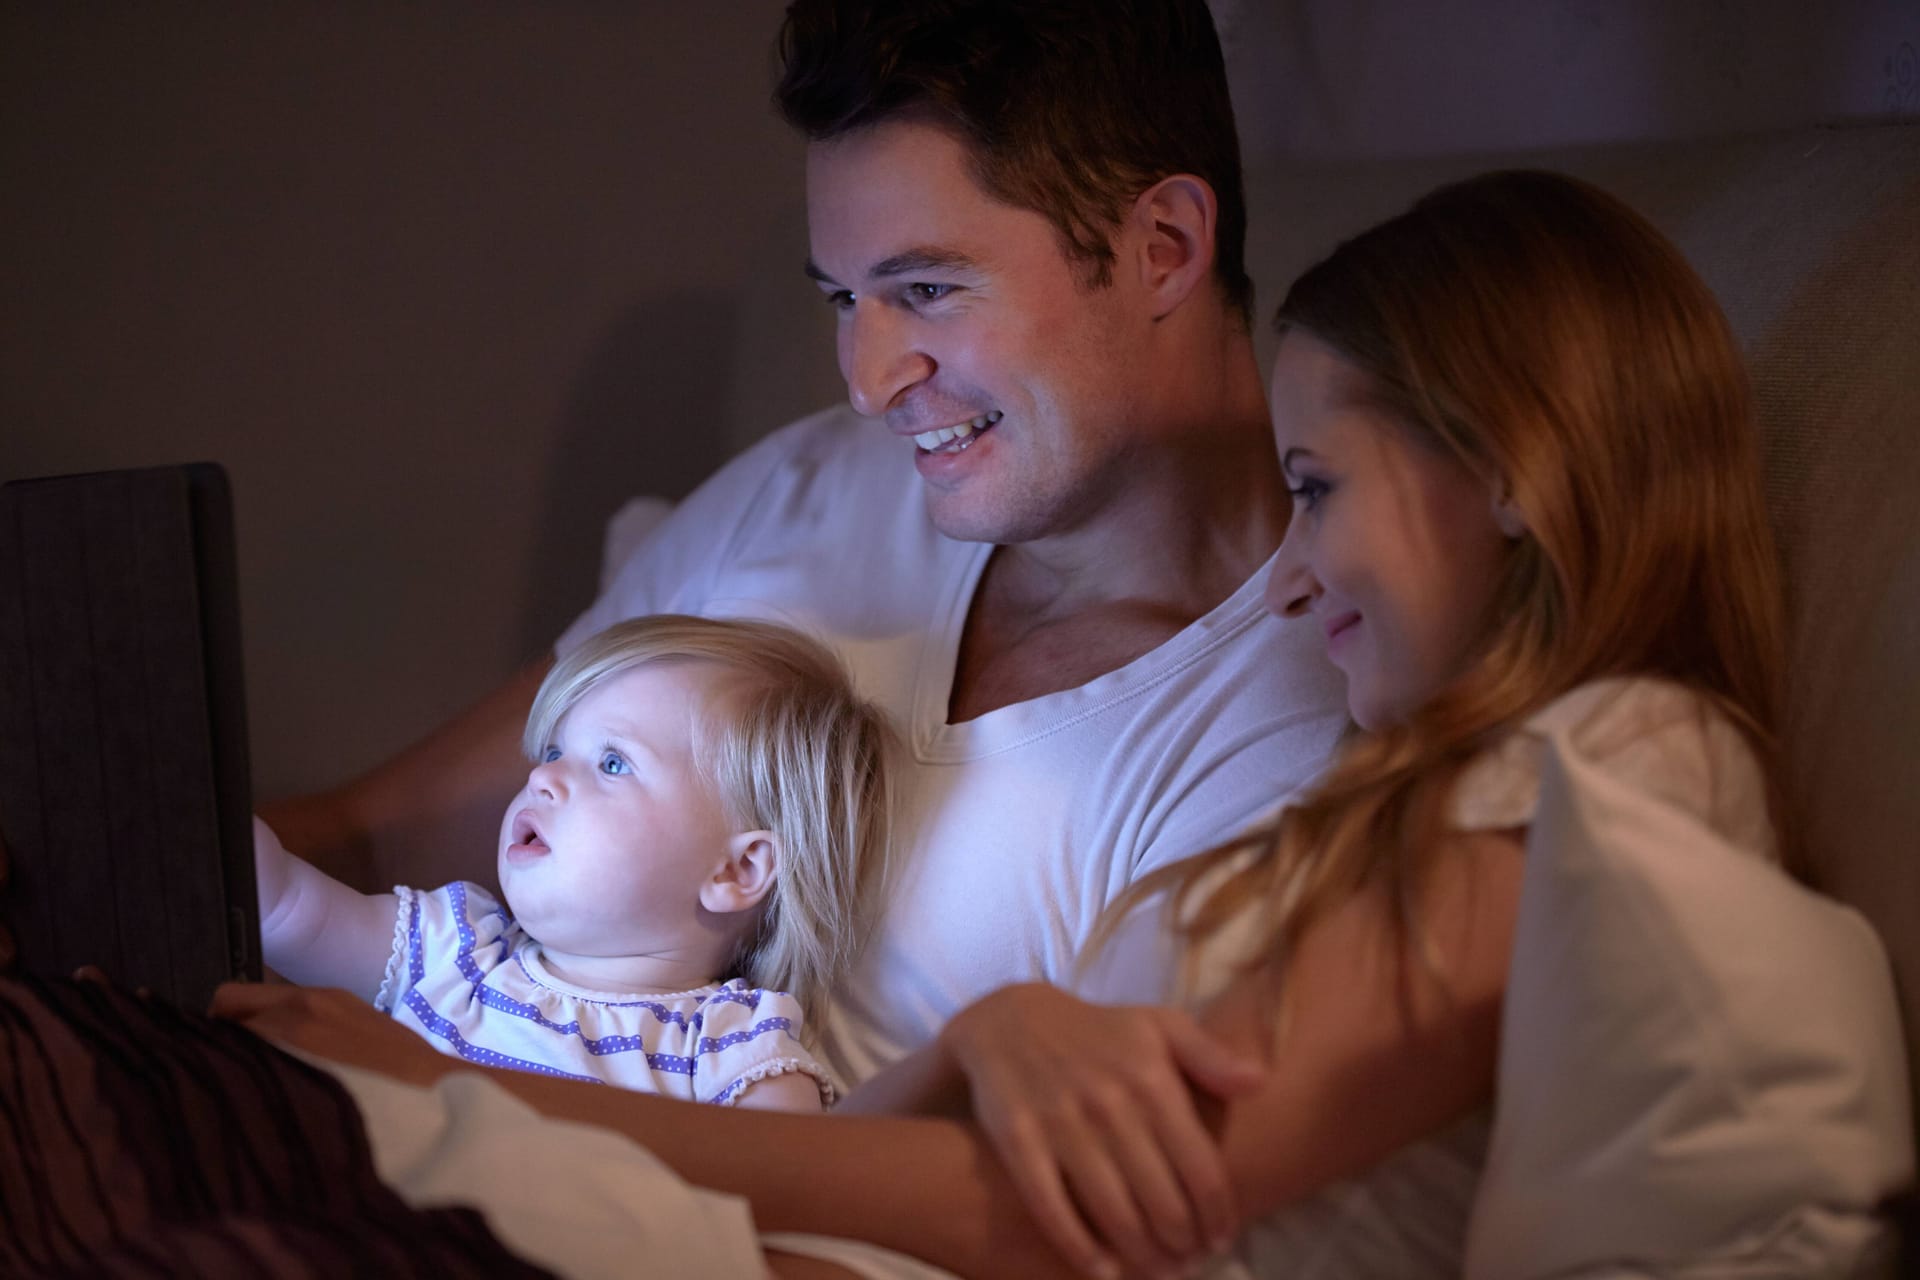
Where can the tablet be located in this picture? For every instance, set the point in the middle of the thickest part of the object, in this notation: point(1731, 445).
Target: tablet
point(125, 800)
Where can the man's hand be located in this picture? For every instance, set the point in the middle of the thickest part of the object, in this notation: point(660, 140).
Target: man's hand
point(1092, 1110)
point(335, 1025)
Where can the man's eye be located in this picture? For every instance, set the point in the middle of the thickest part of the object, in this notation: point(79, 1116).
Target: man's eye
point(613, 764)
point(929, 292)
point(840, 299)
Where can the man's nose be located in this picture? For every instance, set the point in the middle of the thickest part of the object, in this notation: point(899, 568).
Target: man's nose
point(1291, 587)
point(879, 358)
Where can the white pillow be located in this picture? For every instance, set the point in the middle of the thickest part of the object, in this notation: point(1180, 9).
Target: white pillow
point(1701, 1070)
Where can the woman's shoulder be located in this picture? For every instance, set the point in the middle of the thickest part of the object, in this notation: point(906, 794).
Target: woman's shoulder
point(1653, 737)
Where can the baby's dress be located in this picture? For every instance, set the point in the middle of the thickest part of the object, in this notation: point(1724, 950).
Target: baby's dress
point(466, 977)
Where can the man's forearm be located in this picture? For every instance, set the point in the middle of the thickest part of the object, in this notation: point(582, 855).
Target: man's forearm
point(927, 1187)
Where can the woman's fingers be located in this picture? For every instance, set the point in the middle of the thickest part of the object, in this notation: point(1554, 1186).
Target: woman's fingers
point(1194, 1150)
point(1207, 1060)
point(1193, 1155)
point(1094, 1109)
point(1147, 1202)
point(1031, 1161)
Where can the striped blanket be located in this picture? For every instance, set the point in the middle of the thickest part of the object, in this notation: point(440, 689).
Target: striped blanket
point(138, 1140)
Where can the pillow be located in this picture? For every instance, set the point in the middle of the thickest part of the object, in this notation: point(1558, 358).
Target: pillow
point(1701, 1068)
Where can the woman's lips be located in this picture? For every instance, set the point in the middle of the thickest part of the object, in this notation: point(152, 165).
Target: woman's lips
point(1338, 629)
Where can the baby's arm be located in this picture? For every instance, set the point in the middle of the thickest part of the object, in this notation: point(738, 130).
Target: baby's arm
point(315, 930)
point(793, 1091)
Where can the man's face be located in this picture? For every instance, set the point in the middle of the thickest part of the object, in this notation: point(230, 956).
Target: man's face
point(965, 328)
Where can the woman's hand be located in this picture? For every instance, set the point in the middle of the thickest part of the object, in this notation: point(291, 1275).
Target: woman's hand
point(1092, 1108)
point(331, 1024)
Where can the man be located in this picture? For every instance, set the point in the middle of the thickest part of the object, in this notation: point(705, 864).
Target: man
point(1028, 218)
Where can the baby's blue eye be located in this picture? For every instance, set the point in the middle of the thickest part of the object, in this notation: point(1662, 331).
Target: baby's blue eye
point(549, 755)
point(613, 764)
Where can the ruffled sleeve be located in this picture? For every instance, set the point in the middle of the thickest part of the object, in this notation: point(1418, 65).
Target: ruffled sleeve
point(452, 936)
point(746, 1036)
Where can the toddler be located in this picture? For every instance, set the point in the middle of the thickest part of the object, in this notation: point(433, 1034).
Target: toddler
point(707, 801)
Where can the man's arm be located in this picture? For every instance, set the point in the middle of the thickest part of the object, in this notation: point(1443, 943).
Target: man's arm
point(926, 1187)
point(429, 814)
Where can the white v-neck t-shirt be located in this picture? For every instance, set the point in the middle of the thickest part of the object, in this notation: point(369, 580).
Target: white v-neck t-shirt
point(1015, 830)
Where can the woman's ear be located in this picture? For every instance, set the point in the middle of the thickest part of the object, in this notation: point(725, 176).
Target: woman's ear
point(747, 874)
point(1506, 515)
point(1176, 219)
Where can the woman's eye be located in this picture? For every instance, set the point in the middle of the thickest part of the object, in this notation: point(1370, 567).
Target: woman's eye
point(1308, 491)
point(613, 764)
point(549, 755)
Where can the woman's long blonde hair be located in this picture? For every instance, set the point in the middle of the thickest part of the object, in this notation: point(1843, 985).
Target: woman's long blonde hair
point(1546, 335)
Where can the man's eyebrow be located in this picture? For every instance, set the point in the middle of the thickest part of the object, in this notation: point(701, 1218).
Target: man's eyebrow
point(922, 259)
point(904, 263)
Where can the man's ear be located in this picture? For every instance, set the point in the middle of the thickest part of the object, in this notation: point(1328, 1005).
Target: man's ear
point(747, 874)
point(1175, 219)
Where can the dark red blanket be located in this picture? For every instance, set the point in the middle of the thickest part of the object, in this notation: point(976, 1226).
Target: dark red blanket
point(138, 1140)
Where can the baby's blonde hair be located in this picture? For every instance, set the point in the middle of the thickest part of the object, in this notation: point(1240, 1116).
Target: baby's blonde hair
point(792, 749)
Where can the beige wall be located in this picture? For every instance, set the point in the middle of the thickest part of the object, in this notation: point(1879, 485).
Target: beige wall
point(442, 283)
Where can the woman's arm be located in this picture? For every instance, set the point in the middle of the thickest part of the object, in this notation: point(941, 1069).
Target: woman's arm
point(1377, 1049)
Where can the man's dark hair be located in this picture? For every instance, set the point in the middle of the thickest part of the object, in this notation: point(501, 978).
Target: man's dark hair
point(1071, 108)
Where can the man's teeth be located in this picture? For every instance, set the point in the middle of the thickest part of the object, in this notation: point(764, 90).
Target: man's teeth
point(931, 440)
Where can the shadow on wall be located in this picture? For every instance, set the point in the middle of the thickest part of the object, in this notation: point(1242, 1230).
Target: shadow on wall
point(644, 416)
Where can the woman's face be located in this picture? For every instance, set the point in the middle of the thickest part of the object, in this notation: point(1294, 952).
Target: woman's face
point(1394, 547)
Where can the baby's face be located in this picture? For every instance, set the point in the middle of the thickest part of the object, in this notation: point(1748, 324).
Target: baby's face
point(603, 852)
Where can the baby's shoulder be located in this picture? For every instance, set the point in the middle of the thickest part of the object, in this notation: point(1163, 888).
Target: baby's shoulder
point(737, 1009)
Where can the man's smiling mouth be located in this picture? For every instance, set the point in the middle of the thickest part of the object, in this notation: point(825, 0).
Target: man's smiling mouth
point(955, 438)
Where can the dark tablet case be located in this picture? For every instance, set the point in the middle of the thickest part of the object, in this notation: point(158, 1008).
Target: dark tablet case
point(124, 785)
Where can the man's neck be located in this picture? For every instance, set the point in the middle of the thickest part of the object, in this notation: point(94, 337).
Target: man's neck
point(1054, 613)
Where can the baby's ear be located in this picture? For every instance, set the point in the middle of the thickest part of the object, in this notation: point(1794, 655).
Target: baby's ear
point(746, 876)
